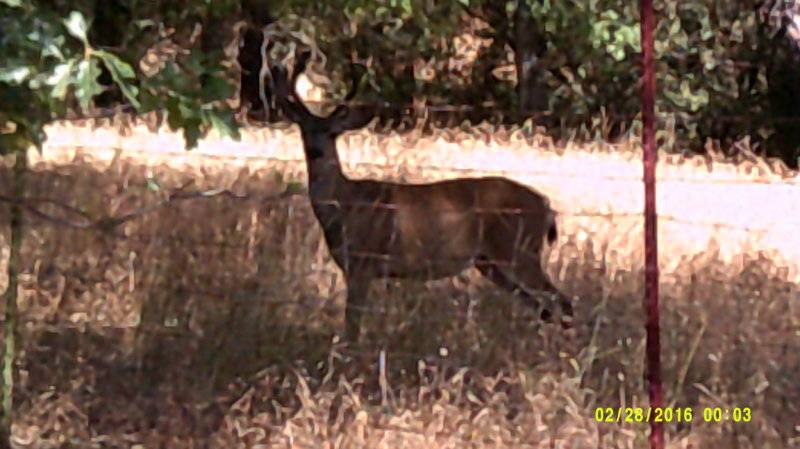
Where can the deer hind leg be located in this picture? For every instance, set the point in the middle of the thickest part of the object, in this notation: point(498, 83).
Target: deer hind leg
point(357, 290)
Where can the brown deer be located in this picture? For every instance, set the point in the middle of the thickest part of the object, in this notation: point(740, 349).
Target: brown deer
point(417, 231)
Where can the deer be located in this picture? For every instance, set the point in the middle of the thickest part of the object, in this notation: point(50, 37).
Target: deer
point(386, 230)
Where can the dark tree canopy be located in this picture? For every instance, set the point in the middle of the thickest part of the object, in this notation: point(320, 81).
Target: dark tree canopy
point(726, 69)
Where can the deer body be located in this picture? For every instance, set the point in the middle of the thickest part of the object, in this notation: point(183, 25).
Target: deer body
point(418, 231)
point(425, 231)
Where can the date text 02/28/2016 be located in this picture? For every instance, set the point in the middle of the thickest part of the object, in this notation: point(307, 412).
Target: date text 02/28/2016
point(672, 414)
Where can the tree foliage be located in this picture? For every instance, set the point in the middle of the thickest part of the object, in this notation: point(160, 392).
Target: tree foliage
point(53, 59)
point(726, 69)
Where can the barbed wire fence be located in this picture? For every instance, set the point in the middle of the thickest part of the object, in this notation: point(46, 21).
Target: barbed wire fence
point(111, 225)
point(45, 211)
point(74, 217)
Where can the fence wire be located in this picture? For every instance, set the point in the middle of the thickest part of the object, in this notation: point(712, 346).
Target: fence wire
point(224, 265)
point(216, 244)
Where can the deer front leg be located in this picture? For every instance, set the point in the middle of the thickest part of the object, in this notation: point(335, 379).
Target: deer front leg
point(357, 289)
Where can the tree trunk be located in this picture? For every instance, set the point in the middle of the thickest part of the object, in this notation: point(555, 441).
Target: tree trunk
point(10, 323)
point(528, 44)
point(257, 16)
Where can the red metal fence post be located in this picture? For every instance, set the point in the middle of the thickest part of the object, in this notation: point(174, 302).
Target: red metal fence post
point(653, 369)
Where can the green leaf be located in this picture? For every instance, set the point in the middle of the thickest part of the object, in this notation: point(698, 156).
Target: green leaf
point(188, 110)
point(224, 123)
point(86, 82)
point(114, 63)
point(145, 23)
point(14, 76)
point(191, 133)
point(52, 47)
point(406, 5)
point(216, 88)
point(149, 102)
point(675, 27)
point(76, 25)
point(120, 71)
point(61, 79)
point(174, 116)
point(174, 79)
point(617, 52)
point(12, 3)
point(153, 185)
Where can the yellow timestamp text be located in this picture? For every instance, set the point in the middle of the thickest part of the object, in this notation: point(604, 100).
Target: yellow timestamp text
point(672, 414)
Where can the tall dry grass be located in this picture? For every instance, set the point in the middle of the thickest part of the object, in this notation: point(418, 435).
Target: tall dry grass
point(213, 322)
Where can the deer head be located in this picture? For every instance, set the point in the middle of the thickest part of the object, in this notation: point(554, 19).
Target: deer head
point(319, 133)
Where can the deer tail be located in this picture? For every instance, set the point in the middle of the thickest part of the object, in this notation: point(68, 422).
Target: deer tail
point(552, 231)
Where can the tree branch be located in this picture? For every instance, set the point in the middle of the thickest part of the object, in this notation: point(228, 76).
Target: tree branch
point(109, 223)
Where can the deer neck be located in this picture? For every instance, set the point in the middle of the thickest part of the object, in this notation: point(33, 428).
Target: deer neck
point(328, 187)
point(326, 181)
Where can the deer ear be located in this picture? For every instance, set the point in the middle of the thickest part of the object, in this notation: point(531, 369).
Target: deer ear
point(345, 118)
point(292, 110)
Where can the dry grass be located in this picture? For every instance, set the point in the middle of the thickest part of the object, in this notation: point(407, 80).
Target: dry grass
point(212, 323)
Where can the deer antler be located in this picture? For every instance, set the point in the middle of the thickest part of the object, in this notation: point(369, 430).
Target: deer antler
point(341, 119)
point(357, 72)
point(300, 65)
point(284, 89)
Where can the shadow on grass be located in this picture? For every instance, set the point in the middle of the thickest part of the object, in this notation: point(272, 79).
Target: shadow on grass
point(161, 332)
